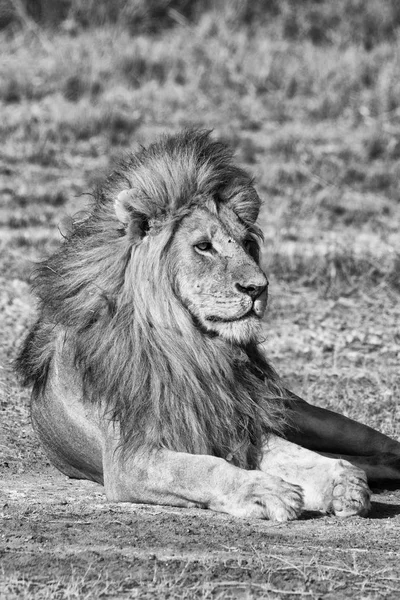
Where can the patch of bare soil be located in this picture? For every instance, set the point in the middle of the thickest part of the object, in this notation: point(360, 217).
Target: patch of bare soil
point(62, 537)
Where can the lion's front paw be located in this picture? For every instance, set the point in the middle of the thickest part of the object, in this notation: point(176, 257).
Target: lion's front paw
point(350, 494)
point(264, 496)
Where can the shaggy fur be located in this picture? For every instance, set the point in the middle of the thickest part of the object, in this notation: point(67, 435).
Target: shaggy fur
point(141, 356)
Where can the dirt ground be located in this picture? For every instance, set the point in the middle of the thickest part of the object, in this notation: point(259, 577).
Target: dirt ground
point(63, 538)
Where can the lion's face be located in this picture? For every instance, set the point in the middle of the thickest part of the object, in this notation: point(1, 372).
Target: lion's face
point(217, 276)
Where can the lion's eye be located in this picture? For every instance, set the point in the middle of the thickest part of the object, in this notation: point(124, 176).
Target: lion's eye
point(252, 248)
point(204, 246)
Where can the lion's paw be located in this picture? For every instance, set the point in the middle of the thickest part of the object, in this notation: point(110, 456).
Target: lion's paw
point(350, 494)
point(264, 496)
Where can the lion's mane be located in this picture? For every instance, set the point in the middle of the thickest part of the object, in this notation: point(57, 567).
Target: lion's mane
point(141, 356)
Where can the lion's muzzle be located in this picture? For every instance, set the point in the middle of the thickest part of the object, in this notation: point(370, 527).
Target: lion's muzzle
point(258, 292)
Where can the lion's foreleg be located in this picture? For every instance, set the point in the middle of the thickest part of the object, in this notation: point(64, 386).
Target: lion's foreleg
point(180, 479)
point(329, 485)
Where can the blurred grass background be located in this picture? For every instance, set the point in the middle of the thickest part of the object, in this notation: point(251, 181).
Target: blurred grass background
point(308, 95)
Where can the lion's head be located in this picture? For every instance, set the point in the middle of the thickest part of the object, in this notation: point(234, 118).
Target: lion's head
point(186, 195)
point(160, 294)
point(211, 263)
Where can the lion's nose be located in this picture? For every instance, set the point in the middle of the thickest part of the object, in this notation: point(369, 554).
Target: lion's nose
point(252, 290)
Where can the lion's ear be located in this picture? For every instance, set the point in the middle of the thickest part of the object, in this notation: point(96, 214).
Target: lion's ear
point(122, 205)
point(135, 221)
point(246, 205)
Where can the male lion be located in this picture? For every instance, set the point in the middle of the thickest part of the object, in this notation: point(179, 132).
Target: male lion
point(146, 369)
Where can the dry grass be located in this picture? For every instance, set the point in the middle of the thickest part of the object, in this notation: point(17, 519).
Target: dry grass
point(268, 576)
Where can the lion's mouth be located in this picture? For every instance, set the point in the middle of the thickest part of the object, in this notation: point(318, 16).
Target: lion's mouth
point(257, 311)
point(247, 315)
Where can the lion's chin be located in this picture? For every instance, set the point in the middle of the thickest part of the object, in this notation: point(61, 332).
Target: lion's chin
point(241, 331)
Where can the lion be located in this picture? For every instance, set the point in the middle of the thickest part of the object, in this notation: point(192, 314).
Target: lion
point(147, 371)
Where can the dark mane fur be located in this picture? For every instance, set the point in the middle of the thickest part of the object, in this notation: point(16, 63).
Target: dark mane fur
point(141, 357)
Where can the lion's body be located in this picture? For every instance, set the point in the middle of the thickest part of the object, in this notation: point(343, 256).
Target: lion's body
point(135, 346)
point(146, 370)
